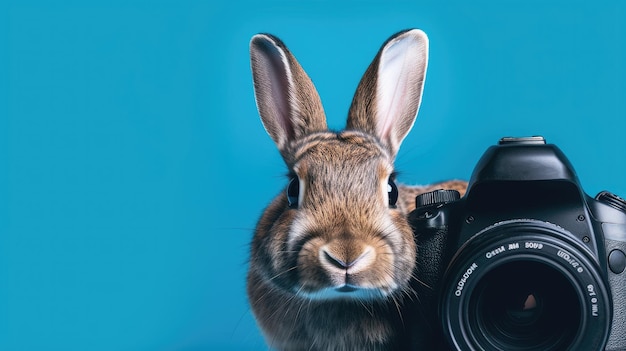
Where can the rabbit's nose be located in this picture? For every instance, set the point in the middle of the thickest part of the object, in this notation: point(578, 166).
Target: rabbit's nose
point(348, 258)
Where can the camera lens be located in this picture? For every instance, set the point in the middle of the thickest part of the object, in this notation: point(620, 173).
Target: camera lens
point(525, 305)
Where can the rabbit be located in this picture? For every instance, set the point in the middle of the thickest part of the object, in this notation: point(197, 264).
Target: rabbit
point(333, 255)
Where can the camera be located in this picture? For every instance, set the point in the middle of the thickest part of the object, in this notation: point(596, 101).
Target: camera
point(525, 260)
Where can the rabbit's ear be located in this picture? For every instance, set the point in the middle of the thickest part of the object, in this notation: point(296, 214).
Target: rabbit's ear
point(387, 99)
point(287, 101)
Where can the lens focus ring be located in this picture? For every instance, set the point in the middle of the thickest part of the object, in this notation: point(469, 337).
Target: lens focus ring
point(522, 285)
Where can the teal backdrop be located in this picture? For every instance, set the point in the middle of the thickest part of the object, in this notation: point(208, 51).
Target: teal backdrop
point(133, 164)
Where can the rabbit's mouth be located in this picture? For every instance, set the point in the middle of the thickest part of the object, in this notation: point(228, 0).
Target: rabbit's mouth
point(346, 292)
point(347, 288)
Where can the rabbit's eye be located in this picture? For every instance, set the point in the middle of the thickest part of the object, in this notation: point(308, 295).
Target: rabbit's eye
point(293, 192)
point(392, 191)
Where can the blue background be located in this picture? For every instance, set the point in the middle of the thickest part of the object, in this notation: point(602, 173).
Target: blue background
point(133, 165)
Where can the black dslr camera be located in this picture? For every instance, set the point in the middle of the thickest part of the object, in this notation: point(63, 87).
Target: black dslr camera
point(525, 260)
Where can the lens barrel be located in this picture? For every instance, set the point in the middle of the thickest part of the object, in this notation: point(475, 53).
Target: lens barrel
point(525, 285)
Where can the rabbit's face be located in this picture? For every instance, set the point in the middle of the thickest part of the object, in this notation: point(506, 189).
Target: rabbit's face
point(345, 238)
point(336, 232)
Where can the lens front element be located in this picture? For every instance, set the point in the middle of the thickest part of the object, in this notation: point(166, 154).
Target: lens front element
point(525, 305)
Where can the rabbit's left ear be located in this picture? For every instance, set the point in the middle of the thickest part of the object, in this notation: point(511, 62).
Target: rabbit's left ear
point(287, 101)
point(387, 99)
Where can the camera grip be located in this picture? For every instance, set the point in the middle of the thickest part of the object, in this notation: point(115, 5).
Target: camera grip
point(430, 266)
point(617, 282)
point(431, 249)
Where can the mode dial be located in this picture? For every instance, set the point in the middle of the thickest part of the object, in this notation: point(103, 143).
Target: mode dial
point(440, 196)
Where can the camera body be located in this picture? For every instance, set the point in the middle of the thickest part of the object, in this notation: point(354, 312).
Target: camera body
point(525, 260)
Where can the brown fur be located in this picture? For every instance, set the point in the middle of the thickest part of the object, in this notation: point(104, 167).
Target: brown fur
point(334, 271)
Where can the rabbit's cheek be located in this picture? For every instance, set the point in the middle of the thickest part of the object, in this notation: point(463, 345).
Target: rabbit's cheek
point(280, 255)
point(297, 231)
point(403, 245)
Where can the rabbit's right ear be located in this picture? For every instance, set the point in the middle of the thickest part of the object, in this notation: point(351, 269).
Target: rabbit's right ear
point(287, 101)
point(387, 99)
